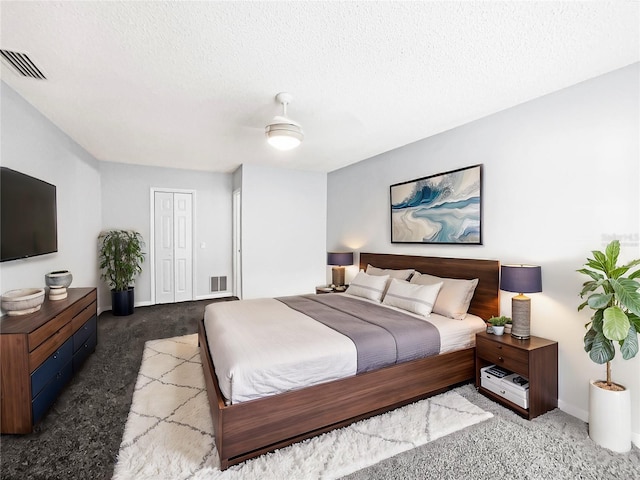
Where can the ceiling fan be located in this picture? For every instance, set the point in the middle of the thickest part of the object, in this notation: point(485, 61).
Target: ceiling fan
point(283, 133)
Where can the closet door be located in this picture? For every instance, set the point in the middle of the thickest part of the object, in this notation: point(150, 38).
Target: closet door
point(173, 225)
point(183, 244)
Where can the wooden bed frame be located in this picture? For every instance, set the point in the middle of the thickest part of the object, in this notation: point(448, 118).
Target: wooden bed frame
point(249, 429)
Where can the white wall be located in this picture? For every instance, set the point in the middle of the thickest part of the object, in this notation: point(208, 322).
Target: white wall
point(126, 202)
point(31, 144)
point(283, 231)
point(561, 177)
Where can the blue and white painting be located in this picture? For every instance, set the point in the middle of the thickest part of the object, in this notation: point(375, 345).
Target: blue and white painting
point(443, 208)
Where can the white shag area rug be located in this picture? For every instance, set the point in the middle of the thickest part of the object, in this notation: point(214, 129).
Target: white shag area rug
point(169, 434)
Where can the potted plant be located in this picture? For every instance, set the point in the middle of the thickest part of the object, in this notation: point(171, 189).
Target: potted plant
point(612, 293)
point(508, 326)
point(497, 324)
point(121, 260)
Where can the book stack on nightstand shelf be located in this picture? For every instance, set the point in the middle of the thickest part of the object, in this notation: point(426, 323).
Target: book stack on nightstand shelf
point(510, 386)
point(504, 364)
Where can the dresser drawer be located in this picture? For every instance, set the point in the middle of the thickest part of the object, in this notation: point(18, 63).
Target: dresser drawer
point(44, 333)
point(85, 350)
point(48, 347)
point(84, 332)
point(49, 393)
point(505, 356)
point(50, 367)
point(81, 318)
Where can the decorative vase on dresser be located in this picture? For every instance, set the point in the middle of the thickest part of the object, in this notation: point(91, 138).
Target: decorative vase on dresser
point(58, 282)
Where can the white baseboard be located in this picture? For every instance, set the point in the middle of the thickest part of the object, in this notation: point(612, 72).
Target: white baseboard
point(574, 411)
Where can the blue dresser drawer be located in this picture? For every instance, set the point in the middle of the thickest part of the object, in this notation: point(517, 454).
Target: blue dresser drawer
point(52, 365)
point(49, 393)
point(84, 332)
point(85, 350)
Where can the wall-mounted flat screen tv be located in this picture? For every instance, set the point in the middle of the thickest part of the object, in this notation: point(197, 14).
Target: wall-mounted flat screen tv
point(28, 220)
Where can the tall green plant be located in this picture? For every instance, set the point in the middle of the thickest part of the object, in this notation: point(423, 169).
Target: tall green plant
point(615, 300)
point(121, 257)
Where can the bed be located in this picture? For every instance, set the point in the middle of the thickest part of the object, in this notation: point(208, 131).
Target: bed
point(250, 428)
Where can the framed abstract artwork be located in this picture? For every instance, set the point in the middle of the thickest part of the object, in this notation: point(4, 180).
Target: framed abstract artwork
point(445, 208)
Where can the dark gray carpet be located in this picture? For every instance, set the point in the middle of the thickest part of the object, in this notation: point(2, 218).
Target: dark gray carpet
point(80, 436)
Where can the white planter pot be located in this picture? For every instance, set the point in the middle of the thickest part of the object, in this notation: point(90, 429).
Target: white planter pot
point(610, 418)
point(498, 330)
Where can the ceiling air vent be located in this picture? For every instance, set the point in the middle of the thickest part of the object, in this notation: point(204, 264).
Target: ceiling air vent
point(23, 64)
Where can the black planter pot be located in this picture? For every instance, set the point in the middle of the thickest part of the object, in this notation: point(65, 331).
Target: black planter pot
point(122, 302)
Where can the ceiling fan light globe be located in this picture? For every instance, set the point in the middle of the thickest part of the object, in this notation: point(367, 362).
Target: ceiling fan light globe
point(284, 136)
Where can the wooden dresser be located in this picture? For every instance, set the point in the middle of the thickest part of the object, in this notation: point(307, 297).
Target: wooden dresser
point(40, 352)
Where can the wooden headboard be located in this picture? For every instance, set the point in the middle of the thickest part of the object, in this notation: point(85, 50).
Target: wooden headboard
point(486, 299)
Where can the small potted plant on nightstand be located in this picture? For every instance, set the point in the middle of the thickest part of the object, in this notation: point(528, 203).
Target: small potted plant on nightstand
point(615, 301)
point(497, 324)
point(507, 326)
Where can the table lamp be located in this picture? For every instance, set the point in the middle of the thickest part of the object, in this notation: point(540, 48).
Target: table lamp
point(521, 279)
point(339, 260)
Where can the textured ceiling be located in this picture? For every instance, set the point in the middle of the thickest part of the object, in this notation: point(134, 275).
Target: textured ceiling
point(192, 84)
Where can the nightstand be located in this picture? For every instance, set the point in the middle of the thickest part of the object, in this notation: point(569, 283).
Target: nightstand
point(535, 358)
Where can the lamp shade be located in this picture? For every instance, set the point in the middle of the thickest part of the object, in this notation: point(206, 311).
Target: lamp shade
point(521, 278)
point(340, 258)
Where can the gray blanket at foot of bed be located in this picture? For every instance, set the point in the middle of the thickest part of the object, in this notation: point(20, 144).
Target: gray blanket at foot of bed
point(382, 336)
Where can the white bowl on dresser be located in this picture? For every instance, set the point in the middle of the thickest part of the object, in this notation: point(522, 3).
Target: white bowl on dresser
point(22, 301)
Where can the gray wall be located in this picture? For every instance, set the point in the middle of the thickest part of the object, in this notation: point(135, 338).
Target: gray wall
point(283, 231)
point(31, 144)
point(126, 203)
point(560, 179)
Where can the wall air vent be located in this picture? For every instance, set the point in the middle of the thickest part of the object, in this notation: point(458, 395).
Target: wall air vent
point(23, 64)
point(218, 284)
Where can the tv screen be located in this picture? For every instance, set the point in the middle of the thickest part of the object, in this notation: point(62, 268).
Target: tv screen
point(28, 221)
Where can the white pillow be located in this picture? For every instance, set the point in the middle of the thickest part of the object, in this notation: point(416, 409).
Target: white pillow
point(401, 274)
point(412, 297)
point(454, 297)
point(368, 286)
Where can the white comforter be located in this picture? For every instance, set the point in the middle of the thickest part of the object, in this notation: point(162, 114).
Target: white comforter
point(262, 347)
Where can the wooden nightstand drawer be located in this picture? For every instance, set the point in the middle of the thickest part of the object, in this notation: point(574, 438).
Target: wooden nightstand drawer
point(505, 356)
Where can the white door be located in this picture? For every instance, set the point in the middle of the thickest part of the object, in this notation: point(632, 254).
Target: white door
point(237, 242)
point(173, 233)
